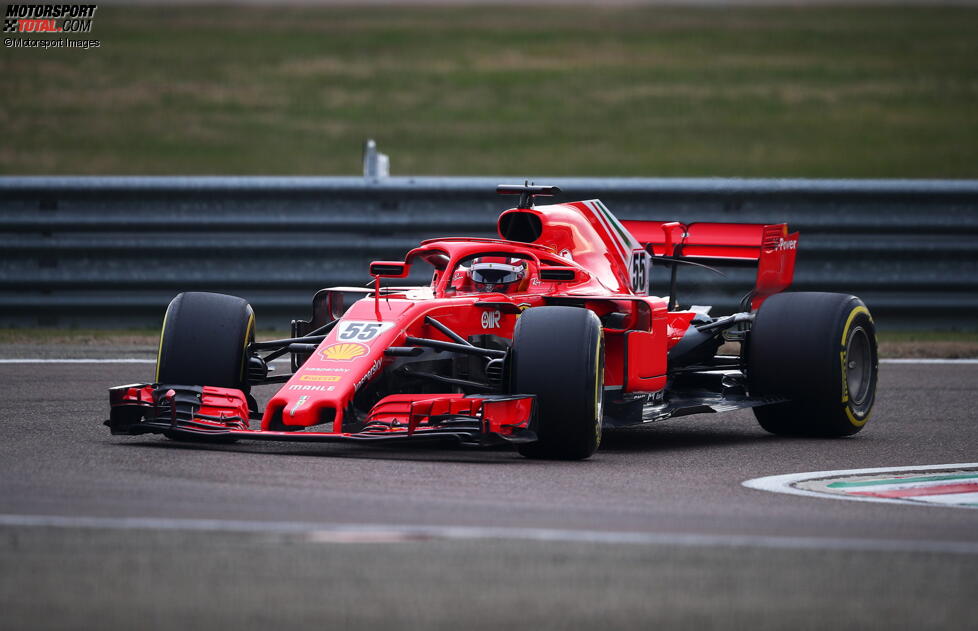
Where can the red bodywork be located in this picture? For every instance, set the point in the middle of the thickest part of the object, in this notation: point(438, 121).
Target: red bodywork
point(606, 267)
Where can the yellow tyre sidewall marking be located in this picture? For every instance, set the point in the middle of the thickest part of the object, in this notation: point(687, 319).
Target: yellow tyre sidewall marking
point(159, 351)
point(247, 339)
point(597, 386)
point(842, 359)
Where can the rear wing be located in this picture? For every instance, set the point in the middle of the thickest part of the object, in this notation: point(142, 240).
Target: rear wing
point(769, 245)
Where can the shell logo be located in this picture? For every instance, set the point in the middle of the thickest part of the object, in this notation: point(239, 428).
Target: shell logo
point(344, 352)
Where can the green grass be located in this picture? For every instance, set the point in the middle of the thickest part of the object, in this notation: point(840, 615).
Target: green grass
point(927, 336)
point(810, 92)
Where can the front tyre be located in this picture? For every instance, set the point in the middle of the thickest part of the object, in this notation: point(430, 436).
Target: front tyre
point(818, 349)
point(558, 355)
point(204, 341)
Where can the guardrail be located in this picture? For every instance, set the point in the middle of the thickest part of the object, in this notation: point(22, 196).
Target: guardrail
point(112, 251)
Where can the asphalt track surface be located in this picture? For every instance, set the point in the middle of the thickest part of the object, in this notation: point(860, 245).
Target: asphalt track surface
point(111, 532)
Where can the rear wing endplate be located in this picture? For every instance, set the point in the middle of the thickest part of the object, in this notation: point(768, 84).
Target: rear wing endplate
point(769, 245)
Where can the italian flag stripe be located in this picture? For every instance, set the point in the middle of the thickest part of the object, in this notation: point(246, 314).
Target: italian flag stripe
point(592, 206)
point(933, 478)
point(625, 235)
point(944, 489)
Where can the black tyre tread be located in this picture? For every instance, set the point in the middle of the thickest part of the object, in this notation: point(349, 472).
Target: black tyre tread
point(794, 350)
point(203, 340)
point(558, 356)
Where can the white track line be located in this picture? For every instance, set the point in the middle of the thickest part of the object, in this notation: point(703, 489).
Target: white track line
point(371, 533)
point(129, 360)
point(78, 361)
point(929, 361)
point(783, 483)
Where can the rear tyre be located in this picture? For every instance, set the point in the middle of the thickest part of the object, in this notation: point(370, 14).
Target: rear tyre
point(558, 355)
point(204, 341)
point(819, 349)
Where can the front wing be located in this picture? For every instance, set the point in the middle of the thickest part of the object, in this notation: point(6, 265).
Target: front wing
point(223, 414)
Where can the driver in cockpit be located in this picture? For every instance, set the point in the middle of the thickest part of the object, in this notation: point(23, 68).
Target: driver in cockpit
point(489, 274)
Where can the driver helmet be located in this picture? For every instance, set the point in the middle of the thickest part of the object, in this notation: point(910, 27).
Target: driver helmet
point(496, 273)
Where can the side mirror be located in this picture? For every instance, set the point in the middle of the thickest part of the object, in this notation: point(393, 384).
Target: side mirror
point(389, 269)
point(557, 274)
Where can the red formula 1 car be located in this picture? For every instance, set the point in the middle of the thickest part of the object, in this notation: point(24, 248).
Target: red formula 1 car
point(542, 338)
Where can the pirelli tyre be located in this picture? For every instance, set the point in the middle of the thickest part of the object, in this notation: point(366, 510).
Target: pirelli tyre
point(204, 341)
point(558, 355)
point(819, 350)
